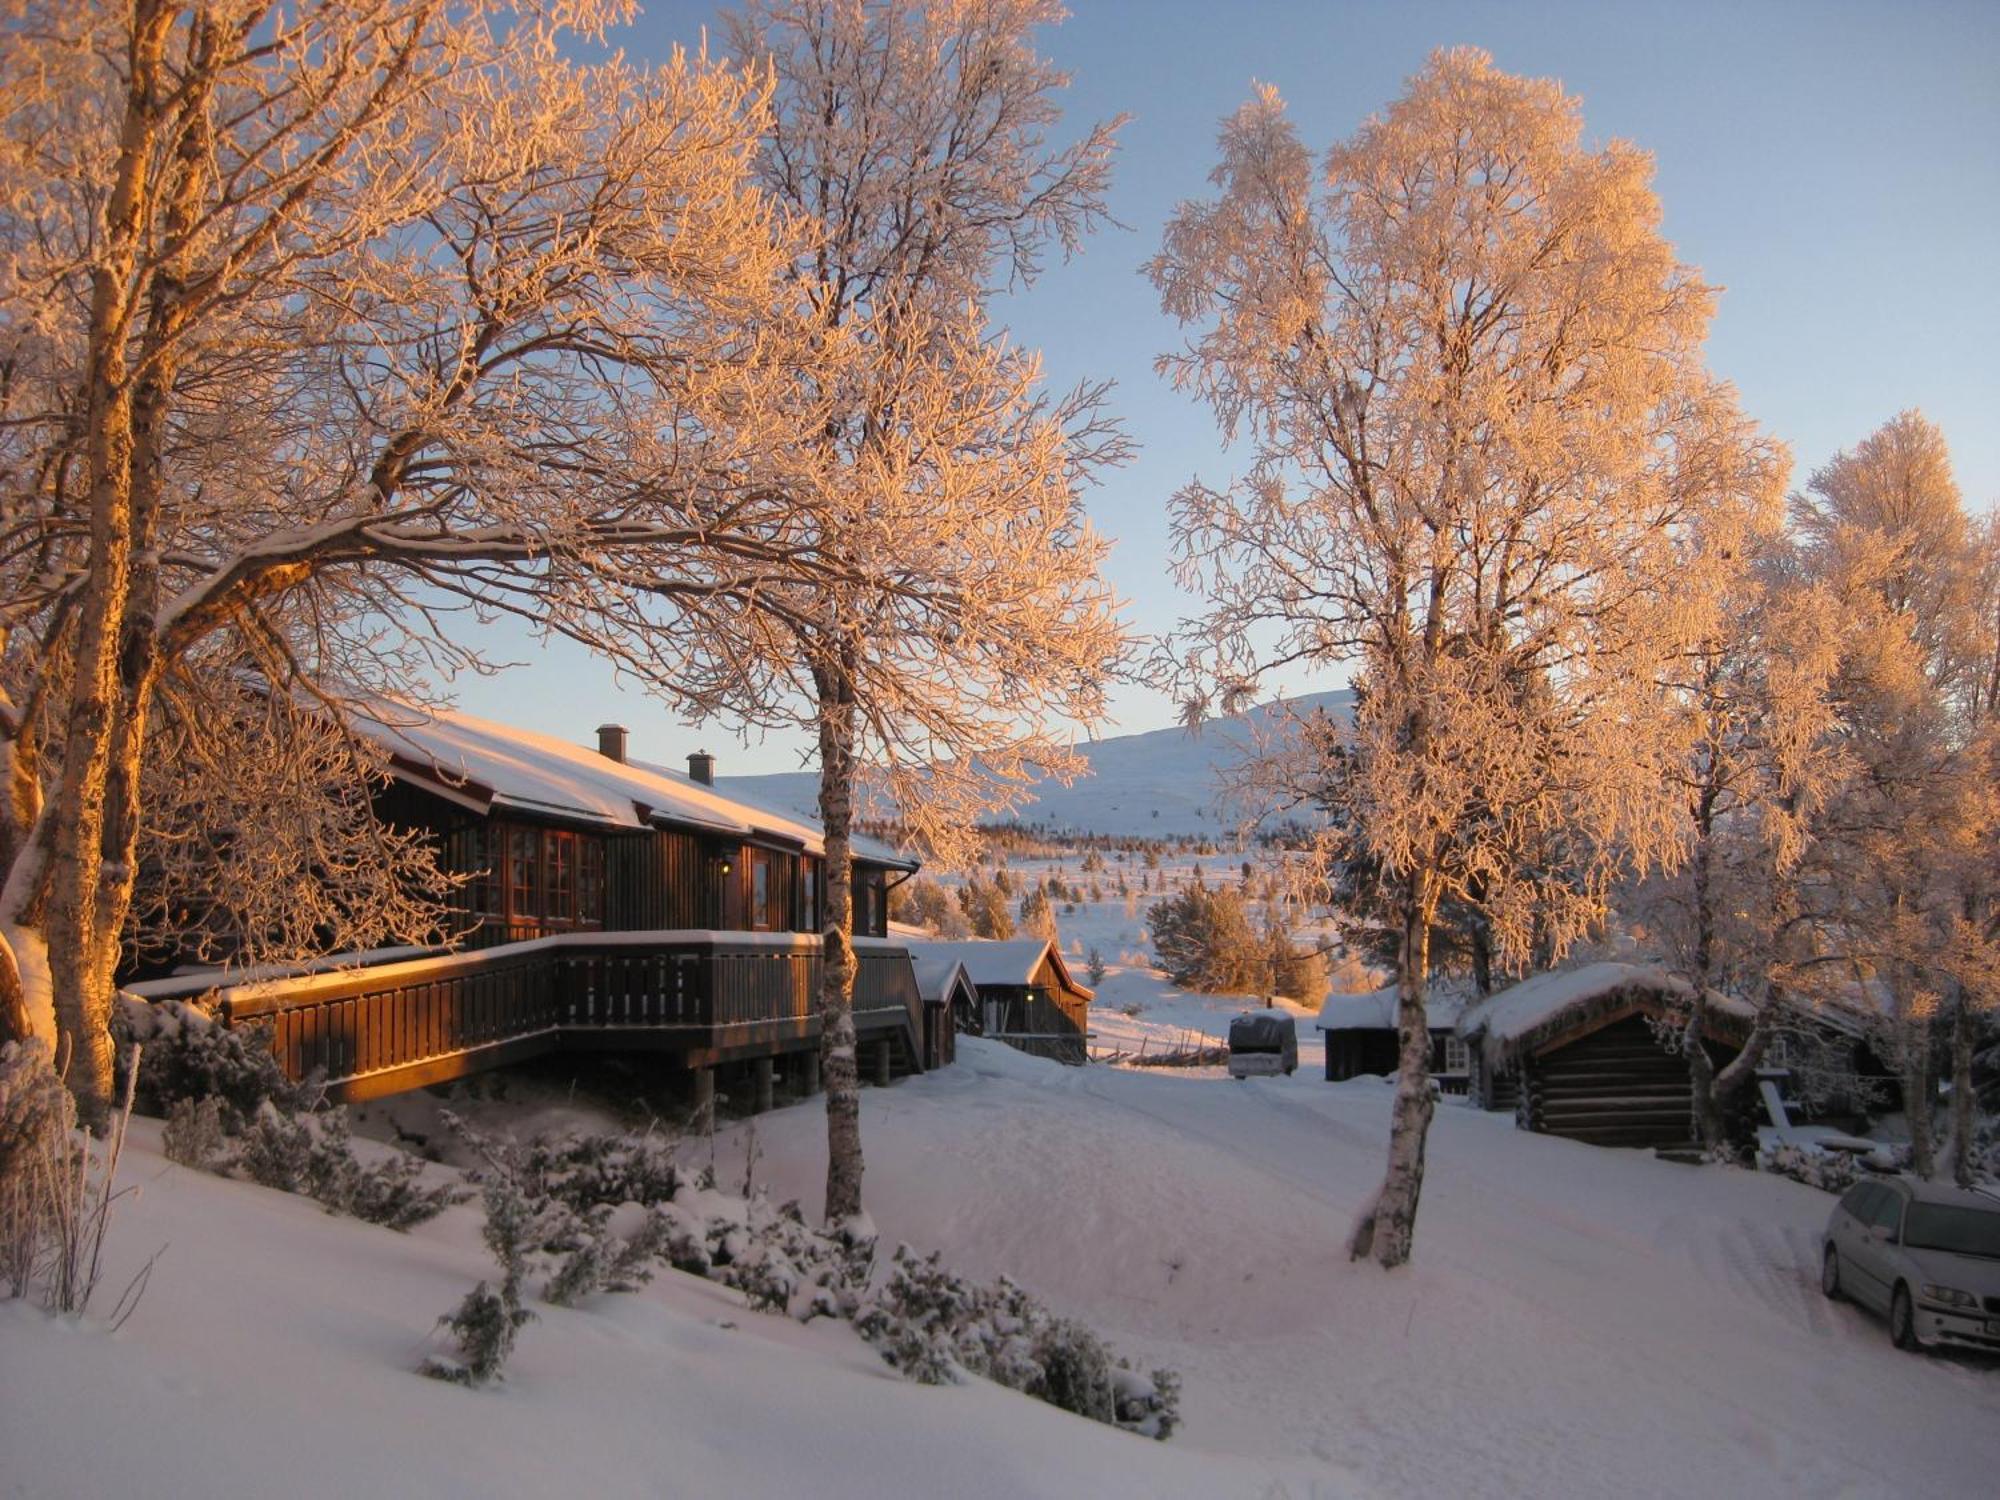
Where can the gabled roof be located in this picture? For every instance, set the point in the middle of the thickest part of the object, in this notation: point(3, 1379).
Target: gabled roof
point(487, 765)
point(1537, 1010)
point(941, 979)
point(1011, 961)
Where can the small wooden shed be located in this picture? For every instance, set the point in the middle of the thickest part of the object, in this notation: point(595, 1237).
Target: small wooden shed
point(1361, 1038)
point(1027, 996)
point(948, 993)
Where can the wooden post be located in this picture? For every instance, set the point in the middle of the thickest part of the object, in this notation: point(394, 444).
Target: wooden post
point(810, 1075)
point(764, 1073)
point(882, 1056)
point(704, 1100)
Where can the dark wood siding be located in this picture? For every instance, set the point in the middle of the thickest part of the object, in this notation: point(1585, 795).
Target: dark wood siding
point(1615, 1086)
point(656, 882)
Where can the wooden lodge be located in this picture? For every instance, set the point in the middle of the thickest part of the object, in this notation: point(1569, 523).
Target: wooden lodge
point(1361, 1037)
point(607, 905)
point(1021, 993)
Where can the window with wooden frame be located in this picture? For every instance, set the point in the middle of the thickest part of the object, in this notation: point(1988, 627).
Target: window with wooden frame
point(808, 895)
point(524, 869)
point(590, 882)
point(763, 879)
point(559, 876)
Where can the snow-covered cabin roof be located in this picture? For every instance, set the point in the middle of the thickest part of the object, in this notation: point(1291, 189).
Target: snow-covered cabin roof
point(487, 765)
point(1521, 1018)
point(1008, 961)
point(940, 978)
point(1376, 1010)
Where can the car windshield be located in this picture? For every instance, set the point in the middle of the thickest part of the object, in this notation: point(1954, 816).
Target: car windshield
point(1961, 1231)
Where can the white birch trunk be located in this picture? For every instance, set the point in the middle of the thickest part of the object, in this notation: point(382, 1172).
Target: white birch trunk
point(839, 1065)
point(1388, 1227)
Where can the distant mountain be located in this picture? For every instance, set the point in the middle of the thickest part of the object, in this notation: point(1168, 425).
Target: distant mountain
point(1155, 784)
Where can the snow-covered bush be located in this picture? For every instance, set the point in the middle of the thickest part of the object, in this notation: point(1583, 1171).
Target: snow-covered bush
point(314, 1155)
point(591, 1206)
point(194, 1136)
point(936, 1326)
point(1833, 1171)
point(486, 1322)
point(187, 1054)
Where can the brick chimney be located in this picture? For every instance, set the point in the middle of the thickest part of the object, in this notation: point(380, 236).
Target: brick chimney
point(611, 742)
point(701, 767)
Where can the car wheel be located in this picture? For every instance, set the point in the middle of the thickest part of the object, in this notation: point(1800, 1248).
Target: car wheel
point(1903, 1319)
point(1829, 1275)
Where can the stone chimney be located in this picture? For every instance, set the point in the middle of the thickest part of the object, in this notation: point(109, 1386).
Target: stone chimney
point(611, 742)
point(701, 767)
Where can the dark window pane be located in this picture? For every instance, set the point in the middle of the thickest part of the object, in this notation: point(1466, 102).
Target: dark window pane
point(590, 882)
point(559, 860)
point(524, 861)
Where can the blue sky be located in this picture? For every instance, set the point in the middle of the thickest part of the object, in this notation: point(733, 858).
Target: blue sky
point(1836, 167)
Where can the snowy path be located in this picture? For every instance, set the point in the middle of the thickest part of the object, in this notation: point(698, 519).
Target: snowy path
point(1577, 1322)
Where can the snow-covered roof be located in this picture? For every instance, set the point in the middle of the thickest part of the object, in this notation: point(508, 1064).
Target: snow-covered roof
point(1376, 1010)
point(986, 961)
point(497, 765)
point(939, 976)
point(1519, 1019)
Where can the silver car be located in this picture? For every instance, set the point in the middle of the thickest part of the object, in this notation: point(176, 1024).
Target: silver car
point(1927, 1255)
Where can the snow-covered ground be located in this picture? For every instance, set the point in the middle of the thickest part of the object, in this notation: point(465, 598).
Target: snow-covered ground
point(1577, 1322)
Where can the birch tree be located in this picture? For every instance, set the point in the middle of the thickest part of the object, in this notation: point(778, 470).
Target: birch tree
point(1907, 907)
point(326, 328)
point(916, 137)
point(1466, 368)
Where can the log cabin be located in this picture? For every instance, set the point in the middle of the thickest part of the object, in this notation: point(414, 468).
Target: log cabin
point(1593, 1054)
point(605, 904)
point(1026, 995)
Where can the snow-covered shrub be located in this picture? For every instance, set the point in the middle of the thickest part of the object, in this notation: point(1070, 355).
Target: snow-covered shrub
point(1833, 1171)
point(275, 1150)
point(486, 1322)
point(935, 1326)
point(390, 1192)
point(187, 1054)
point(592, 1204)
point(194, 1136)
point(314, 1155)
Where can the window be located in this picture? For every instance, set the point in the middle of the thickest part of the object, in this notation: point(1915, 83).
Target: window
point(590, 882)
point(559, 868)
point(808, 895)
point(1888, 1209)
point(1457, 1057)
point(760, 891)
point(524, 863)
point(481, 855)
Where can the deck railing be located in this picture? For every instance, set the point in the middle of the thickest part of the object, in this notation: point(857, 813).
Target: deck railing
point(706, 996)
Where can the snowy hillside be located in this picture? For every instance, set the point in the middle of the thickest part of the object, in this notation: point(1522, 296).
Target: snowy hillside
point(1161, 782)
point(1577, 1322)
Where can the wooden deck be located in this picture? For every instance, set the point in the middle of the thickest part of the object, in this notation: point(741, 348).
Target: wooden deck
point(697, 998)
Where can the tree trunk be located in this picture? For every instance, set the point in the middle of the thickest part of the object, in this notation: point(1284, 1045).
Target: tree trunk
point(1707, 1110)
point(1388, 1227)
point(839, 1067)
point(1917, 1095)
point(1964, 1034)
